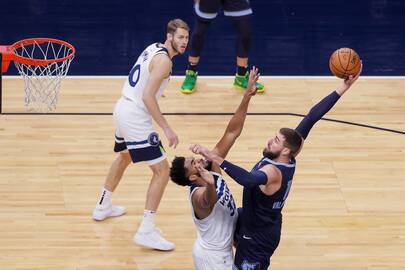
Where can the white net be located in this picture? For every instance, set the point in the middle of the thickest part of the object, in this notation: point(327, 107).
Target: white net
point(42, 82)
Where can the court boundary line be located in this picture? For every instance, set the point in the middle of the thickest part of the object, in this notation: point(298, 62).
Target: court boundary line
point(218, 114)
point(219, 77)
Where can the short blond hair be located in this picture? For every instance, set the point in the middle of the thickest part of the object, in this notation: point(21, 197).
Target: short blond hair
point(176, 23)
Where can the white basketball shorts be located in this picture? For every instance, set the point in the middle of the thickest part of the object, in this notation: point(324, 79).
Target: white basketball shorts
point(135, 132)
point(211, 259)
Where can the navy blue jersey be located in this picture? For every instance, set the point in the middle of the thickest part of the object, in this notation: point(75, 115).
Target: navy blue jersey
point(261, 210)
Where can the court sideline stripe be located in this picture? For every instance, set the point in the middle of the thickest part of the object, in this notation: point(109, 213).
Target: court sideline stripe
point(12, 77)
point(218, 114)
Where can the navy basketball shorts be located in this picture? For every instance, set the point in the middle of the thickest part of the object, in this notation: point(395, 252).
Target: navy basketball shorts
point(254, 246)
point(208, 9)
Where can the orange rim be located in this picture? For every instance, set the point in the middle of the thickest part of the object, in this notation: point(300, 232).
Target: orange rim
point(40, 62)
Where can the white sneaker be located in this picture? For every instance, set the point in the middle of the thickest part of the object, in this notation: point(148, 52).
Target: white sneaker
point(102, 212)
point(153, 239)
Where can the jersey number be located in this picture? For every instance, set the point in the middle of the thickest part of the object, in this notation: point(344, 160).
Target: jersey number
point(287, 190)
point(279, 205)
point(134, 75)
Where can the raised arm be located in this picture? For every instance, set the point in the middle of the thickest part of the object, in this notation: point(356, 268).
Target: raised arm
point(240, 175)
point(321, 108)
point(160, 69)
point(235, 125)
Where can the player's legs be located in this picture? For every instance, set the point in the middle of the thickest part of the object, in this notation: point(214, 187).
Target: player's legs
point(135, 133)
point(104, 207)
point(242, 26)
point(197, 41)
point(240, 13)
point(205, 11)
point(148, 235)
point(152, 152)
point(157, 185)
point(116, 171)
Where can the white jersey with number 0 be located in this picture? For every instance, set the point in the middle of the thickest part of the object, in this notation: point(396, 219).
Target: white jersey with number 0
point(139, 75)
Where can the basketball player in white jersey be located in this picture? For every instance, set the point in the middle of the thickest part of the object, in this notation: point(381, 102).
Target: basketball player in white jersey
point(214, 210)
point(135, 138)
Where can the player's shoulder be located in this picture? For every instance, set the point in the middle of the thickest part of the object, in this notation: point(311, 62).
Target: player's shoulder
point(271, 171)
point(161, 64)
point(269, 167)
point(196, 194)
point(163, 60)
point(160, 49)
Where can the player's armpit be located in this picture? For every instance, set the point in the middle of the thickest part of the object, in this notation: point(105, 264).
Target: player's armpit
point(202, 208)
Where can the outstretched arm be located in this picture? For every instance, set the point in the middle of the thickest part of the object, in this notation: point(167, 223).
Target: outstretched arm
point(240, 175)
point(235, 125)
point(320, 109)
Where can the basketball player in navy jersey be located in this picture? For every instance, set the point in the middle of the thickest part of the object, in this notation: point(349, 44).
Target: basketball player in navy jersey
point(136, 139)
point(267, 185)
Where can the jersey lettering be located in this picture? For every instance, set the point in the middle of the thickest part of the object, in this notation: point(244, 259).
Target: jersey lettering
point(228, 201)
point(279, 205)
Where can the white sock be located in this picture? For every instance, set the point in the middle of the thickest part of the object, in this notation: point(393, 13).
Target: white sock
point(105, 197)
point(148, 221)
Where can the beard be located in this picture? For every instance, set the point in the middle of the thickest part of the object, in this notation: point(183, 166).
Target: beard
point(208, 167)
point(269, 154)
point(176, 48)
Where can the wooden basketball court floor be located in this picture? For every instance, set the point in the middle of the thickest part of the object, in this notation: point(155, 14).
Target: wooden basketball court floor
point(346, 209)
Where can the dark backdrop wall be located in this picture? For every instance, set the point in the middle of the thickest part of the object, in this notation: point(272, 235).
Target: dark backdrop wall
point(290, 37)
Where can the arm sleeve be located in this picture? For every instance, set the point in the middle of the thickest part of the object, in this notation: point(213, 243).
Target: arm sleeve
point(243, 177)
point(316, 113)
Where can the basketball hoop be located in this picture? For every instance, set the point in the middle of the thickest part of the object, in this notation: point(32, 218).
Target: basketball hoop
point(42, 63)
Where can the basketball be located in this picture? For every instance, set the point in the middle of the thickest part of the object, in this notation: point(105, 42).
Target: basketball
point(344, 62)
